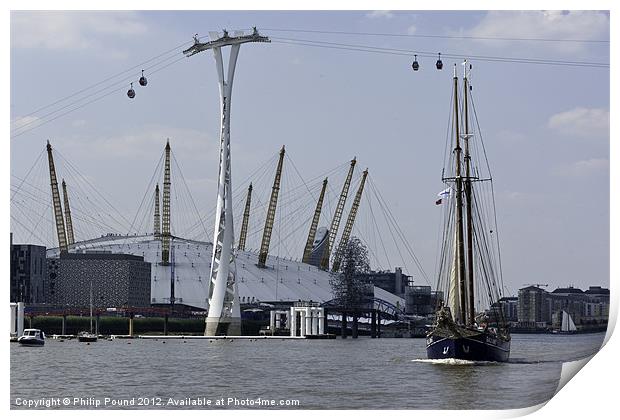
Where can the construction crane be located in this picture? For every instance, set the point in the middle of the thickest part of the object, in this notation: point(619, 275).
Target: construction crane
point(337, 216)
point(69, 225)
point(246, 220)
point(165, 220)
point(348, 227)
point(314, 225)
point(60, 222)
point(271, 212)
point(157, 216)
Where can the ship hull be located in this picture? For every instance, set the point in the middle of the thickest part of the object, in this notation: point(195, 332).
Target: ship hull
point(30, 342)
point(478, 347)
point(87, 338)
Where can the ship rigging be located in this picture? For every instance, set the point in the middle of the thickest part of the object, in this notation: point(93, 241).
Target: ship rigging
point(470, 273)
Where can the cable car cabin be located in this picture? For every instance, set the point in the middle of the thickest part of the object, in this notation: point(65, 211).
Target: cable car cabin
point(415, 66)
point(439, 63)
point(131, 93)
point(143, 80)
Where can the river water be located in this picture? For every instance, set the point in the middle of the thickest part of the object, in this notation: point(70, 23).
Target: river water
point(308, 374)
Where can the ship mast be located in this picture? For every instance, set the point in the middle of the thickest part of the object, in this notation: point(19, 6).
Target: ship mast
point(460, 245)
point(468, 199)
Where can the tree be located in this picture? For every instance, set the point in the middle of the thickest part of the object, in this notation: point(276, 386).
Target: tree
point(350, 290)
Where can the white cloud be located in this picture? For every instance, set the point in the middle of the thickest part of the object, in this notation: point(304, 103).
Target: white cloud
point(24, 122)
point(591, 165)
point(59, 30)
point(582, 168)
point(586, 25)
point(186, 144)
point(380, 14)
point(582, 122)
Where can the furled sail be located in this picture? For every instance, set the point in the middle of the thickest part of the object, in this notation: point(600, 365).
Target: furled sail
point(453, 288)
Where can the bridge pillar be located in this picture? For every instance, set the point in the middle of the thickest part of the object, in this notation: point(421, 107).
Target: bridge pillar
point(325, 323)
point(378, 324)
point(293, 323)
point(321, 317)
point(302, 324)
point(315, 322)
point(165, 324)
point(63, 329)
point(131, 324)
point(354, 326)
point(308, 321)
point(373, 324)
point(343, 326)
point(20, 319)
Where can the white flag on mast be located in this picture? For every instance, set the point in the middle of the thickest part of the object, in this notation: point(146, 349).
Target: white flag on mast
point(443, 195)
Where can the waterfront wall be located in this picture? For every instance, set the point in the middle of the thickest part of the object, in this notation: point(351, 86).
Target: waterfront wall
point(120, 325)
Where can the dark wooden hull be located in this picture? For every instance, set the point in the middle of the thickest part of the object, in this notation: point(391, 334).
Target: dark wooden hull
point(483, 346)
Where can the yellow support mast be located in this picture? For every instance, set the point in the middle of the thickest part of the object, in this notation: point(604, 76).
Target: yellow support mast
point(70, 237)
point(246, 220)
point(60, 222)
point(314, 225)
point(271, 212)
point(348, 227)
point(165, 220)
point(333, 230)
point(157, 216)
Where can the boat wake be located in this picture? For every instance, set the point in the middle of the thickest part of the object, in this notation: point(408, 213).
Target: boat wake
point(461, 362)
point(455, 362)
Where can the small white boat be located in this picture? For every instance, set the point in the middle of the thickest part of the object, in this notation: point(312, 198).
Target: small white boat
point(86, 337)
point(32, 337)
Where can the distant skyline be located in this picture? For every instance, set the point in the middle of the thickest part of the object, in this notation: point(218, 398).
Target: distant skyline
point(546, 127)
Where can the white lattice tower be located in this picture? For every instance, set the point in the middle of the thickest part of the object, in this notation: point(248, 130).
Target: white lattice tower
point(224, 316)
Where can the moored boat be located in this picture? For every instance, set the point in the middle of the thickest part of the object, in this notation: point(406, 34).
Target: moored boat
point(32, 338)
point(86, 337)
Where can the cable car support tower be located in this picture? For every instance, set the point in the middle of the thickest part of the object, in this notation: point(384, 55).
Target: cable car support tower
point(224, 316)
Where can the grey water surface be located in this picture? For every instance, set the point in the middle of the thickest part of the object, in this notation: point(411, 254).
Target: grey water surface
point(296, 374)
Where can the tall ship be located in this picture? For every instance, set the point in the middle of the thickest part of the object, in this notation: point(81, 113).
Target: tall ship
point(469, 264)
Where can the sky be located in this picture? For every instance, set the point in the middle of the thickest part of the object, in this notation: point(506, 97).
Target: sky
point(545, 127)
